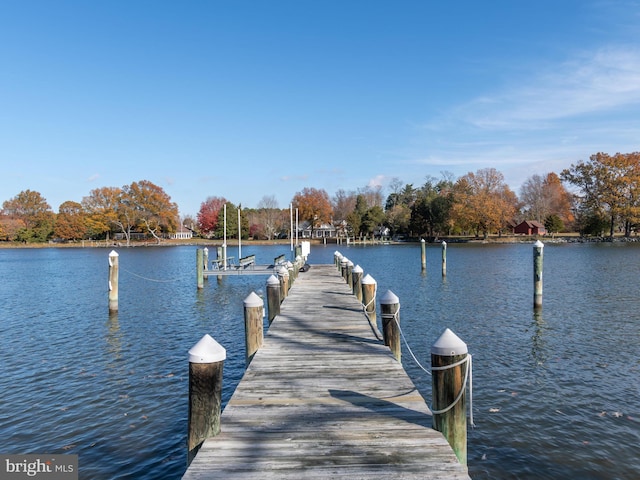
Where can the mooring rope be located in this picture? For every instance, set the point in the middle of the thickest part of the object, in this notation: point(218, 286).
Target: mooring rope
point(366, 314)
point(468, 375)
point(178, 279)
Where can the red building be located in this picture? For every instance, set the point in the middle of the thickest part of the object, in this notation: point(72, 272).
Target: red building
point(530, 227)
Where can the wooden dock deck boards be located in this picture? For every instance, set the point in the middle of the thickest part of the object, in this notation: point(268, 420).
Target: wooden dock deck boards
point(324, 398)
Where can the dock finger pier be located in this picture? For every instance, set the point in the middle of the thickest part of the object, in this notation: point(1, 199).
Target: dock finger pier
point(322, 397)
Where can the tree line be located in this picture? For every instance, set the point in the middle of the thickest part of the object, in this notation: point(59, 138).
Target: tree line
point(604, 198)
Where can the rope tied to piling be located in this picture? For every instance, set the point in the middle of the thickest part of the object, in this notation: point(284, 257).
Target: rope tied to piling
point(468, 376)
point(366, 314)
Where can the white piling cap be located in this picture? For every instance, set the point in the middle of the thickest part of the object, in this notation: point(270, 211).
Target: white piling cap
point(338, 254)
point(207, 350)
point(357, 269)
point(389, 298)
point(368, 280)
point(350, 264)
point(253, 300)
point(273, 280)
point(449, 344)
point(113, 254)
point(422, 240)
point(538, 244)
point(444, 244)
point(344, 260)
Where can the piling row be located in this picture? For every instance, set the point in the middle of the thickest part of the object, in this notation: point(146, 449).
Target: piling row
point(308, 405)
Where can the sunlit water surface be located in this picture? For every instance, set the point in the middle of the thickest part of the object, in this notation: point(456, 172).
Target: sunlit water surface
point(556, 393)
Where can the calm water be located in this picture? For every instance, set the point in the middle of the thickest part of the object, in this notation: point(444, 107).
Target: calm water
point(556, 394)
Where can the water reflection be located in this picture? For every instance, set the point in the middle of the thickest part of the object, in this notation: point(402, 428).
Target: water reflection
point(538, 345)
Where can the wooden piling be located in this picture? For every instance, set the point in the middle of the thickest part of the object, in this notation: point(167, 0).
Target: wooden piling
point(357, 279)
point(344, 262)
point(350, 273)
point(253, 329)
point(205, 258)
point(337, 259)
point(113, 281)
point(538, 256)
point(390, 316)
point(206, 362)
point(423, 255)
point(220, 259)
point(450, 369)
point(369, 286)
point(283, 277)
point(290, 272)
point(273, 297)
point(444, 258)
point(199, 268)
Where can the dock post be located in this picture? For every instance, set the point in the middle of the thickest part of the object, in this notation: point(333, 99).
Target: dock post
point(205, 258)
point(450, 366)
point(219, 259)
point(113, 281)
point(423, 255)
point(337, 259)
point(344, 262)
point(369, 286)
point(390, 316)
point(444, 258)
point(273, 297)
point(538, 256)
point(206, 362)
point(283, 276)
point(253, 326)
point(357, 278)
point(291, 274)
point(199, 268)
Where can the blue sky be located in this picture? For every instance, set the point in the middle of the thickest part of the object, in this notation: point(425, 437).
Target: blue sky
point(243, 99)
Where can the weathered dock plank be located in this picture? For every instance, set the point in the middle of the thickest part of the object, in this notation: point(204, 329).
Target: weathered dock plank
point(324, 398)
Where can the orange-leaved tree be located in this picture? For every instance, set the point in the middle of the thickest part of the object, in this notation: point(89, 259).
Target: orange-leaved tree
point(71, 222)
point(314, 206)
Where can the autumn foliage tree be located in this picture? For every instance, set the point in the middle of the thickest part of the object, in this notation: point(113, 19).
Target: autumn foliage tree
point(71, 222)
point(482, 202)
point(153, 209)
point(32, 209)
point(543, 196)
point(610, 186)
point(100, 207)
point(208, 215)
point(314, 206)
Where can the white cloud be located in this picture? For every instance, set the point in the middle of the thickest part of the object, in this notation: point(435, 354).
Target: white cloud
point(592, 83)
point(376, 181)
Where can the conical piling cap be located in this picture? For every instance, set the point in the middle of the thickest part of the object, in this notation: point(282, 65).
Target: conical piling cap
point(207, 350)
point(368, 280)
point(273, 281)
point(358, 269)
point(449, 344)
point(253, 300)
point(389, 298)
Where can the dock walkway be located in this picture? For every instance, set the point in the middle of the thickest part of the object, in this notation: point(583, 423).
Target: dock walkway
point(323, 398)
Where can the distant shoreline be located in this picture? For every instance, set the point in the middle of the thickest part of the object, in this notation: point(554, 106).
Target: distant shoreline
point(506, 239)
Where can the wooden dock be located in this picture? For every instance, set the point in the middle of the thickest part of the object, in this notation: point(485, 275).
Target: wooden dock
point(324, 398)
